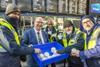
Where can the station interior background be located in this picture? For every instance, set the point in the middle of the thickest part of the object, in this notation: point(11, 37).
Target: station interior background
point(58, 10)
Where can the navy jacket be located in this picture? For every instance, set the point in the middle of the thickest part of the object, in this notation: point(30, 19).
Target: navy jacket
point(10, 58)
point(29, 38)
point(91, 56)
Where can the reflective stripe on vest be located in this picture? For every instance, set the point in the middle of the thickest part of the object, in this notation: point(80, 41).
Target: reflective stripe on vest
point(64, 40)
point(4, 41)
point(72, 41)
point(51, 39)
point(10, 27)
point(93, 39)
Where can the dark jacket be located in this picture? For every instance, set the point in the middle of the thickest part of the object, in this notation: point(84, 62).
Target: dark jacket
point(29, 38)
point(52, 30)
point(10, 58)
point(91, 56)
point(78, 45)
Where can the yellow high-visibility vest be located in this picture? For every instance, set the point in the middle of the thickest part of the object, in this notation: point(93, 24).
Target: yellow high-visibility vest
point(51, 39)
point(72, 41)
point(10, 27)
point(92, 42)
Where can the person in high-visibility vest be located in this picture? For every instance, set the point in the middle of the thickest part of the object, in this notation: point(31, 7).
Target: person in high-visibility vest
point(10, 49)
point(91, 54)
point(72, 38)
point(50, 29)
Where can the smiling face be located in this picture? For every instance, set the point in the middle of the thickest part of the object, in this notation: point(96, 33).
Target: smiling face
point(38, 23)
point(87, 24)
point(69, 29)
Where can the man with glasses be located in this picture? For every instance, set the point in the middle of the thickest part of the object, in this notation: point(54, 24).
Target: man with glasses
point(91, 54)
point(35, 36)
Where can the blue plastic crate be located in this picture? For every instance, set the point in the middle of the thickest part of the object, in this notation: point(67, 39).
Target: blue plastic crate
point(47, 48)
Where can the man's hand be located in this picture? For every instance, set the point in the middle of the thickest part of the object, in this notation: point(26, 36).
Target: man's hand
point(75, 52)
point(37, 50)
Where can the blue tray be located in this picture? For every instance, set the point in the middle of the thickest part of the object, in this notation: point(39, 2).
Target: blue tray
point(47, 48)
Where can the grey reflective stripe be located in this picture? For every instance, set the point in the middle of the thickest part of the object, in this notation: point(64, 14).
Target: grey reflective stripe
point(2, 50)
point(4, 42)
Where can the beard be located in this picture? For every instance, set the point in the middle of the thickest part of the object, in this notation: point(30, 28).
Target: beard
point(14, 22)
point(88, 27)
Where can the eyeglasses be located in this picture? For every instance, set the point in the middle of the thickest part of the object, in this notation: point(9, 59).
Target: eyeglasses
point(86, 21)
